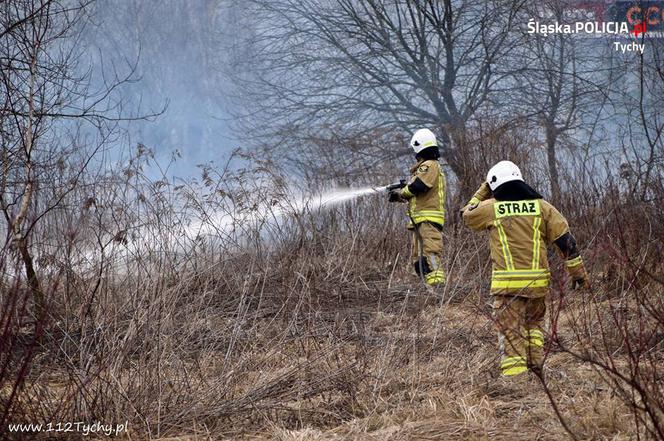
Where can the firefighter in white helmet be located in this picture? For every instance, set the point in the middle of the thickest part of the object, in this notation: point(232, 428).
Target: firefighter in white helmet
point(425, 195)
point(520, 225)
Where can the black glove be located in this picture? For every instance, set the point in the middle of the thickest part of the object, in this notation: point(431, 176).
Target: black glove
point(394, 196)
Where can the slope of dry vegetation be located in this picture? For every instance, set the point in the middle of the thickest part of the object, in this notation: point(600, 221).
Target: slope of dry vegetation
point(314, 328)
point(310, 326)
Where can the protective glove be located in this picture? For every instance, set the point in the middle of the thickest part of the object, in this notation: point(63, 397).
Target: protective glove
point(482, 193)
point(394, 196)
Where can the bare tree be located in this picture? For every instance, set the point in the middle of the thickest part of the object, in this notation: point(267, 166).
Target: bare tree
point(313, 69)
point(643, 142)
point(47, 94)
point(563, 80)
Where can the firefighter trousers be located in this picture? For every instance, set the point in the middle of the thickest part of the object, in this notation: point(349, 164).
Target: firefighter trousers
point(519, 322)
point(427, 252)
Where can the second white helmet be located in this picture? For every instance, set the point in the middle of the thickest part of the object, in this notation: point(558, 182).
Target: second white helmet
point(422, 139)
point(504, 171)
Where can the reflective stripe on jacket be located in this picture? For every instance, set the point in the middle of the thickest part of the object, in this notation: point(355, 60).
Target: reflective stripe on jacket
point(519, 232)
point(430, 205)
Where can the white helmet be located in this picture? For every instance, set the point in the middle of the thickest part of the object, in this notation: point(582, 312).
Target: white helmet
point(504, 171)
point(422, 139)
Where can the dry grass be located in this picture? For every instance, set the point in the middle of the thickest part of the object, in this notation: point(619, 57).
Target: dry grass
point(316, 329)
point(450, 390)
point(427, 371)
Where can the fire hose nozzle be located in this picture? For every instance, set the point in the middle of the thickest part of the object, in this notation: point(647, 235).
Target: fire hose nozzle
point(396, 185)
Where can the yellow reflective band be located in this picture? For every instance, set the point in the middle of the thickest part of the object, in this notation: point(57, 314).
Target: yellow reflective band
point(536, 337)
point(517, 208)
point(432, 216)
point(535, 333)
point(429, 144)
point(508, 361)
point(513, 365)
point(573, 262)
point(520, 274)
point(473, 201)
point(441, 192)
point(519, 284)
point(406, 193)
point(536, 242)
point(429, 213)
point(435, 277)
point(536, 342)
point(508, 372)
point(509, 264)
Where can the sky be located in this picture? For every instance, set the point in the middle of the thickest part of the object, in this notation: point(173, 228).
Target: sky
point(177, 48)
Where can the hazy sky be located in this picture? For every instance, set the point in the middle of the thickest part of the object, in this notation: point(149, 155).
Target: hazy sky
point(180, 52)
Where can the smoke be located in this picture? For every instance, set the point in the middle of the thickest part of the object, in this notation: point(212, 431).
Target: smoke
point(176, 48)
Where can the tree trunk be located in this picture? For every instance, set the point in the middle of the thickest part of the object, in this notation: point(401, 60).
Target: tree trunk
point(454, 151)
point(551, 138)
point(20, 238)
point(33, 281)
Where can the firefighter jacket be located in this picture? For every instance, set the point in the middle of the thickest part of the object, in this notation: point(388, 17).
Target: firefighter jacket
point(519, 232)
point(425, 193)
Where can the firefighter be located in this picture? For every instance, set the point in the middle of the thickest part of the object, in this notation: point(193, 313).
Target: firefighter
point(425, 195)
point(521, 224)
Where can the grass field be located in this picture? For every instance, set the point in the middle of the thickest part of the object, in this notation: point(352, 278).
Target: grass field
point(315, 328)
